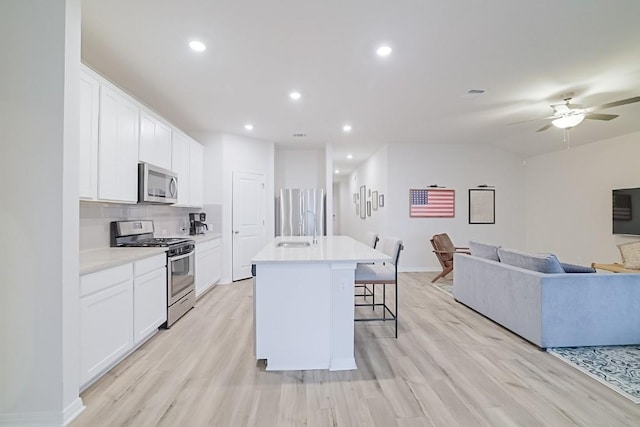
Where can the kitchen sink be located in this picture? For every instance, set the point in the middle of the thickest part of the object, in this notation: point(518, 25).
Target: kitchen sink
point(293, 244)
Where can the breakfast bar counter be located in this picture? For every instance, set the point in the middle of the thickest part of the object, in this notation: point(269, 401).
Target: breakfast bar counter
point(303, 301)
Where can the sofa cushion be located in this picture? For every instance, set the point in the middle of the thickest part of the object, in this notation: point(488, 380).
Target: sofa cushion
point(542, 263)
point(573, 268)
point(484, 250)
point(630, 255)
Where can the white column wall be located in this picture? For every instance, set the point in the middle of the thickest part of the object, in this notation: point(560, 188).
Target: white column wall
point(224, 154)
point(39, 122)
point(568, 203)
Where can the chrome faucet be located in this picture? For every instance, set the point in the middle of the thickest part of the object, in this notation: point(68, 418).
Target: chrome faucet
point(315, 226)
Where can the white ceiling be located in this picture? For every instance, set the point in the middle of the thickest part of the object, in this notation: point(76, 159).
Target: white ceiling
point(526, 55)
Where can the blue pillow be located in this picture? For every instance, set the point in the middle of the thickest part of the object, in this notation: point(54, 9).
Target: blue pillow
point(572, 268)
point(542, 263)
point(484, 250)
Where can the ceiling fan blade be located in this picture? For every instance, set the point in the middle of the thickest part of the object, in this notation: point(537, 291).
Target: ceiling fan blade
point(600, 116)
point(533, 120)
point(614, 104)
point(545, 127)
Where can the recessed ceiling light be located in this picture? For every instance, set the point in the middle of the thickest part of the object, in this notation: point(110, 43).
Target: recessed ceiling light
point(346, 128)
point(337, 171)
point(197, 46)
point(295, 95)
point(248, 126)
point(349, 156)
point(383, 50)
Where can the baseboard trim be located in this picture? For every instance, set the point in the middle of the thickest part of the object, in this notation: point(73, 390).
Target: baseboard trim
point(417, 270)
point(72, 411)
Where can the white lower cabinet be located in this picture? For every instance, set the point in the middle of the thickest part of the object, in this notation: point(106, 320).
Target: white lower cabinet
point(106, 319)
point(208, 265)
point(149, 296)
point(120, 307)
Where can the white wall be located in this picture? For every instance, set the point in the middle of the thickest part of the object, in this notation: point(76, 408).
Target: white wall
point(299, 169)
point(39, 115)
point(372, 174)
point(227, 154)
point(568, 201)
point(397, 168)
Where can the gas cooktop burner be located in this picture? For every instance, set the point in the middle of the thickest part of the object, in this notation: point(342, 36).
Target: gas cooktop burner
point(140, 234)
point(155, 242)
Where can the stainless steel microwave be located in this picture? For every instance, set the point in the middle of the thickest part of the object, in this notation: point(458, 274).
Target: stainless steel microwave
point(156, 185)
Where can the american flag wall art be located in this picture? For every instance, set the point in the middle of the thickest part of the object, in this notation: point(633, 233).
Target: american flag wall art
point(431, 203)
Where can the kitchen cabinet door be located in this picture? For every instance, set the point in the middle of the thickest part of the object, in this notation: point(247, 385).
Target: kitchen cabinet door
point(88, 147)
point(180, 165)
point(208, 265)
point(155, 141)
point(196, 178)
point(106, 319)
point(117, 147)
point(149, 303)
point(216, 261)
point(203, 268)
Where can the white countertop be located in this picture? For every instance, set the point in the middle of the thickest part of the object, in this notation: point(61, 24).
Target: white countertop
point(99, 259)
point(328, 249)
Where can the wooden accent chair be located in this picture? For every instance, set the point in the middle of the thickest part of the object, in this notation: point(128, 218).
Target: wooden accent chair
point(444, 249)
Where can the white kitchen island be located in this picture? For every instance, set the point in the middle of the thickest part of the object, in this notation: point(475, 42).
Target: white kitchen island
point(303, 302)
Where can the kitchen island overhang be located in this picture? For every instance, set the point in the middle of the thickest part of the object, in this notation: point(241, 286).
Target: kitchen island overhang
point(303, 302)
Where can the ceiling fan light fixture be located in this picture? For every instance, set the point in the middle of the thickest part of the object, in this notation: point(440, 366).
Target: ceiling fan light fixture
point(566, 122)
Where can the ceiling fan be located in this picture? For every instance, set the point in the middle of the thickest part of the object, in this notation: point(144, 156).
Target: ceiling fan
point(567, 115)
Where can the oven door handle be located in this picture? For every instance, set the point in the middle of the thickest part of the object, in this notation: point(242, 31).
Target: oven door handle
point(179, 257)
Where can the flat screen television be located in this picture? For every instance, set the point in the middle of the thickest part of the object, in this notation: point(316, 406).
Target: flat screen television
point(626, 211)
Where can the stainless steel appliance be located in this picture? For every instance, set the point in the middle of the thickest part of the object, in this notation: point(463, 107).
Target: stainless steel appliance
point(180, 262)
point(197, 223)
point(156, 185)
point(300, 212)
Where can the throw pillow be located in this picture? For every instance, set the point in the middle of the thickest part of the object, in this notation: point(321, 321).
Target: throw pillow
point(542, 263)
point(630, 255)
point(484, 250)
point(573, 268)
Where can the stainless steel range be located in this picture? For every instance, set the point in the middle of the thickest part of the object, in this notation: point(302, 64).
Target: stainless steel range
point(180, 262)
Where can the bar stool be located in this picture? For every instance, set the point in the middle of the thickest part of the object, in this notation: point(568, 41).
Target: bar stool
point(381, 274)
point(372, 240)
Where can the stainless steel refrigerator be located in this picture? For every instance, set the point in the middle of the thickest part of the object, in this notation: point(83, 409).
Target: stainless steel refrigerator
point(299, 210)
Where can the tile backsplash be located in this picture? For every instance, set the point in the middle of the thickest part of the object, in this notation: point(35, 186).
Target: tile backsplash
point(167, 220)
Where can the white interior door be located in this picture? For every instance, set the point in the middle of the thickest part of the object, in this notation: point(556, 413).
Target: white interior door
point(248, 221)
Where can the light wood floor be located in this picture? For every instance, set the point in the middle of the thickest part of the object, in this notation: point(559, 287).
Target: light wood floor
point(449, 367)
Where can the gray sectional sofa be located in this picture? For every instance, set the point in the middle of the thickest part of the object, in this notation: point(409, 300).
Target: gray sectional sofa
point(549, 309)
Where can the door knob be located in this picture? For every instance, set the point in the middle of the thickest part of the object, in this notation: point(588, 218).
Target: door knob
point(236, 231)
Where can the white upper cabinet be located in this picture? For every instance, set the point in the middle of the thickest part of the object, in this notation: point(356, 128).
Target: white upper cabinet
point(117, 132)
point(155, 141)
point(196, 176)
point(187, 162)
point(180, 165)
point(89, 98)
point(118, 147)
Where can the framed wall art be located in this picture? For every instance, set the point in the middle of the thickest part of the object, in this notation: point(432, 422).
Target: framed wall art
point(432, 203)
point(363, 198)
point(374, 200)
point(482, 206)
point(381, 200)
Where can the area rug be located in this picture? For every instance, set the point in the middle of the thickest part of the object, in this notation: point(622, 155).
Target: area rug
point(617, 367)
point(445, 285)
